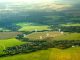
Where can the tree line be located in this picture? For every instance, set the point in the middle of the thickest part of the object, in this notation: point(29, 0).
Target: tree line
point(36, 45)
point(66, 28)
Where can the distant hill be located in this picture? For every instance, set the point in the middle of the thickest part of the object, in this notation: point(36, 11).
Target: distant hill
point(45, 14)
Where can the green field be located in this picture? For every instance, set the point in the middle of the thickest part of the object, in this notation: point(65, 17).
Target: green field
point(8, 43)
point(54, 36)
point(69, 24)
point(69, 36)
point(50, 54)
point(32, 27)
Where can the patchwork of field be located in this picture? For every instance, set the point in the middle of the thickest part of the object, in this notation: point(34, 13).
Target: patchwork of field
point(72, 53)
point(54, 36)
point(7, 39)
point(8, 35)
point(50, 54)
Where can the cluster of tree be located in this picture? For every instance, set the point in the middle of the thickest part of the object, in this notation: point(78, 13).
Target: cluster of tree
point(24, 33)
point(39, 45)
point(66, 28)
point(64, 44)
point(13, 27)
point(20, 36)
point(9, 26)
point(26, 48)
point(71, 28)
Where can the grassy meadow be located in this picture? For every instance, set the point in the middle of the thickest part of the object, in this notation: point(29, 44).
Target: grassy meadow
point(4, 43)
point(69, 24)
point(32, 27)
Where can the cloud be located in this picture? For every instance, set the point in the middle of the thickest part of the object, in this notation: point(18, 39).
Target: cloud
point(42, 5)
point(27, 1)
point(51, 6)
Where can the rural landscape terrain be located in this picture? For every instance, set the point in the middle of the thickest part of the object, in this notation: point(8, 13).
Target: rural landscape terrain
point(40, 30)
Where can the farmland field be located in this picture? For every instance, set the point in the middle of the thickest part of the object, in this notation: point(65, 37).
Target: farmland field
point(32, 27)
point(54, 35)
point(8, 35)
point(50, 54)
